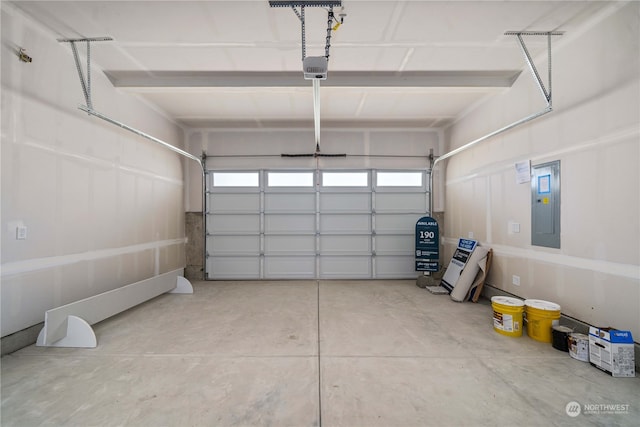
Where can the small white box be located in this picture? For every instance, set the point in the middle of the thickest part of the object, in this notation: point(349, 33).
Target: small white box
point(611, 350)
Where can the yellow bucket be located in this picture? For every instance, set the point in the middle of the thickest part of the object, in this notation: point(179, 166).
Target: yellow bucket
point(541, 317)
point(507, 315)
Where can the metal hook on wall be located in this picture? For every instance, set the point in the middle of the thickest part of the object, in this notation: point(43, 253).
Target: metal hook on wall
point(22, 55)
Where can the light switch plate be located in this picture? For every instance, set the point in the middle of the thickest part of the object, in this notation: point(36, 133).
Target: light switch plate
point(21, 232)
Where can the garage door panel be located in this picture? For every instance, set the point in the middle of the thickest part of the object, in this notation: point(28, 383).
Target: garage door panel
point(395, 267)
point(290, 224)
point(338, 223)
point(345, 202)
point(227, 223)
point(299, 202)
point(345, 245)
point(233, 245)
point(395, 245)
point(296, 267)
point(339, 267)
point(401, 202)
point(234, 203)
point(396, 223)
point(233, 267)
point(290, 245)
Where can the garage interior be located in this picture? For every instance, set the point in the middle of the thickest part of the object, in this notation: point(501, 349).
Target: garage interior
point(143, 140)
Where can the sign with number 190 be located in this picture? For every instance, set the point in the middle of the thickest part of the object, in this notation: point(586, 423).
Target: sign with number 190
point(427, 245)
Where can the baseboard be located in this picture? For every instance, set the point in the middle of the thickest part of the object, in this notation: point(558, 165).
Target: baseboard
point(20, 339)
point(577, 325)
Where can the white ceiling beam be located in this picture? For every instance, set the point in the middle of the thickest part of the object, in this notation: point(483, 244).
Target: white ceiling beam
point(347, 123)
point(195, 79)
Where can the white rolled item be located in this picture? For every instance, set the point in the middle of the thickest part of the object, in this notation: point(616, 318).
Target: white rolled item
point(469, 273)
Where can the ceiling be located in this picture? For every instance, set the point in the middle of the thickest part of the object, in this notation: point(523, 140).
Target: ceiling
point(238, 63)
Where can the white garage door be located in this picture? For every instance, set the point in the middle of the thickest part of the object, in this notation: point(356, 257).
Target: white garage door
point(310, 224)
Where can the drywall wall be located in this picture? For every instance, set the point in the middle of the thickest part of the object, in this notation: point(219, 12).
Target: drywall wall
point(594, 132)
point(102, 207)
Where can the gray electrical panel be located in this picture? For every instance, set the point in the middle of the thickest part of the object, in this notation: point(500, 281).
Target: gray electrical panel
point(545, 205)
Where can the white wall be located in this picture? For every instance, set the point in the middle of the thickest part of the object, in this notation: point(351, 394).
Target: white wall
point(595, 132)
point(103, 207)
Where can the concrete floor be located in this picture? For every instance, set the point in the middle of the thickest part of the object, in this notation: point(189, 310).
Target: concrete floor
point(303, 353)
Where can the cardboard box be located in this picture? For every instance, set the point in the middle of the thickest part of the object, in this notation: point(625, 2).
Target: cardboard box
point(611, 350)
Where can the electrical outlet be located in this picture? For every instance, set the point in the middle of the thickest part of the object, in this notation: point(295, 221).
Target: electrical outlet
point(516, 280)
point(515, 227)
point(21, 232)
point(471, 234)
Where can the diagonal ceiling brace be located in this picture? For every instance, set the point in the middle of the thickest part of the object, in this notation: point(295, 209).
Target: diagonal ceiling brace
point(300, 16)
point(86, 90)
point(86, 84)
point(527, 56)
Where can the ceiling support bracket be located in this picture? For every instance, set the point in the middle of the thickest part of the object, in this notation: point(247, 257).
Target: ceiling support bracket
point(329, 4)
point(527, 57)
point(300, 16)
point(86, 90)
point(86, 84)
